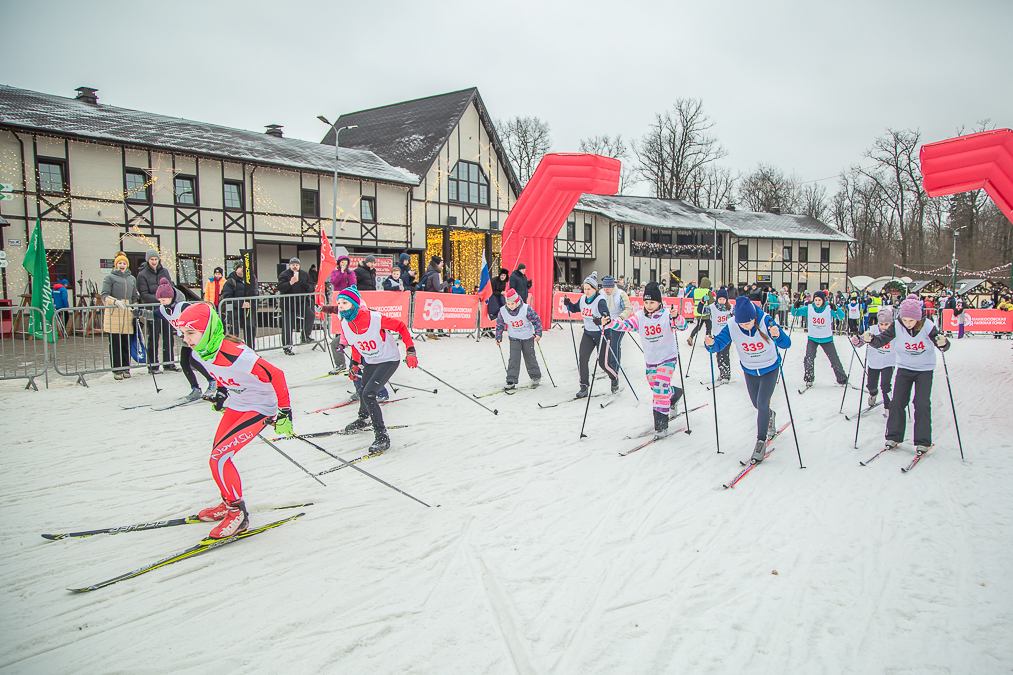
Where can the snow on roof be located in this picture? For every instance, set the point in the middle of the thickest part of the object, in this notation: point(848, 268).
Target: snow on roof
point(677, 214)
point(37, 111)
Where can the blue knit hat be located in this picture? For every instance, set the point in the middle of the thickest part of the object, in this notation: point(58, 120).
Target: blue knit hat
point(722, 293)
point(608, 282)
point(745, 310)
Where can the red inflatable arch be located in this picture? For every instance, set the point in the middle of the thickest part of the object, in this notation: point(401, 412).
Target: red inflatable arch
point(529, 234)
point(982, 160)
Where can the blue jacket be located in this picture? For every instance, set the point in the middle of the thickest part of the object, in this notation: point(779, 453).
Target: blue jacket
point(804, 311)
point(723, 339)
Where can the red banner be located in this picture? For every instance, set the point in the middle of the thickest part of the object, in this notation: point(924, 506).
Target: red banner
point(559, 312)
point(384, 263)
point(445, 310)
point(394, 304)
point(484, 311)
point(980, 320)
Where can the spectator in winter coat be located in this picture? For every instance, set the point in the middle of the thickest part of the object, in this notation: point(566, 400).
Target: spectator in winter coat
point(313, 275)
point(290, 282)
point(393, 282)
point(457, 288)
point(240, 313)
point(365, 274)
point(498, 286)
point(404, 262)
point(342, 277)
point(213, 288)
point(119, 288)
point(432, 280)
point(60, 299)
point(147, 284)
point(520, 283)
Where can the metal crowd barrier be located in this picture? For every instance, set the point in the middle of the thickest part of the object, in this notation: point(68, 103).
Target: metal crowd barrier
point(267, 322)
point(21, 355)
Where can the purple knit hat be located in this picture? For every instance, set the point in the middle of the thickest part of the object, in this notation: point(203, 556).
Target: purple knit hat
point(911, 308)
point(165, 290)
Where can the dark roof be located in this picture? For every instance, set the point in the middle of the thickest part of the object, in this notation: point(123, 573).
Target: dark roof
point(36, 111)
point(411, 133)
point(677, 214)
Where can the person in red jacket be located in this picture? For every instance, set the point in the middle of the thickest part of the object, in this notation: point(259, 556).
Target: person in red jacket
point(375, 357)
point(251, 394)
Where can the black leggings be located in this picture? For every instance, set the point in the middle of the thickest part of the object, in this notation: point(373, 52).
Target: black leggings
point(760, 389)
point(374, 376)
point(588, 343)
point(703, 322)
point(921, 382)
point(879, 378)
point(189, 364)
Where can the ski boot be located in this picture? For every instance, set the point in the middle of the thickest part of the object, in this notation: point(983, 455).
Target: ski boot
point(381, 441)
point(772, 425)
point(382, 397)
point(194, 394)
point(872, 399)
point(213, 513)
point(211, 390)
point(354, 397)
point(807, 385)
point(759, 450)
point(890, 445)
point(615, 387)
point(536, 382)
point(509, 386)
point(360, 424)
point(583, 392)
point(922, 449)
point(660, 424)
point(288, 351)
point(235, 520)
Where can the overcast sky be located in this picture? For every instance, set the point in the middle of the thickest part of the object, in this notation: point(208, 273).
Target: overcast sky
point(803, 84)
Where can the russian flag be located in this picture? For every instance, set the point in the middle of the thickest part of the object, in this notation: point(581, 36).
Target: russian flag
point(484, 287)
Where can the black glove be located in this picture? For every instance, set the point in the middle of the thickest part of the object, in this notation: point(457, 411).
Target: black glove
point(217, 399)
point(596, 320)
point(833, 307)
point(137, 312)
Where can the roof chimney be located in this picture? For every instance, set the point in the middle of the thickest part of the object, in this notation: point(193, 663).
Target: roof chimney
point(87, 95)
point(274, 130)
point(776, 210)
point(730, 207)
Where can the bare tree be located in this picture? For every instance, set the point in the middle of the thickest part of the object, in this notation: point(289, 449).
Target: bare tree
point(676, 148)
point(616, 148)
point(899, 178)
point(714, 189)
point(527, 141)
point(811, 201)
point(768, 187)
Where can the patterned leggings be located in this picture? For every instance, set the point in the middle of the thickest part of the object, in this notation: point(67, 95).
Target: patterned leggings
point(659, 377)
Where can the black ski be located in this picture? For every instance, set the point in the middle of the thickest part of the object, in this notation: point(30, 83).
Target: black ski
point(553, 405)
point(368, 455)
point(679, 414)
point(135, 407)
point(338, 432)
point(862, 414)
point(653, 440)
point(189, 520)
point(805, 389)
point(203, 547)
point(177, 404)
point(718, 384)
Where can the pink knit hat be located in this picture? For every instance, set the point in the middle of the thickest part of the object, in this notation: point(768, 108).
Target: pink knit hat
point(911, 308)
point(511, 295)
point(165, 290)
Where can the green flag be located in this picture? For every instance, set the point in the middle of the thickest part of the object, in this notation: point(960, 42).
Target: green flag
point(42, 290)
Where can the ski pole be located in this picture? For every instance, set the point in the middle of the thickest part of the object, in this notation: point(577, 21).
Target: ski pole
point(501, 358)
point(470, 398)
point(546, 364)
point(688, 365)
point(428, 391)
point(573, 339)
point(362, 471)
point(148, 356)
point(859, 423)
point(791, 418)
point(591, 387)
point(620, 365)
point(847, 384)
point(714, 397)
point(292, 460)
point(952, 406)
point(682, 380)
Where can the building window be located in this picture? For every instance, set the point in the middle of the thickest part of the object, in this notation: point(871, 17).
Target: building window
point(825, 255)
point(803, 254)
point(786, 254)
point(655, 237)
point(685, 239)
point(636, 276)
point(587, 232)
point(743, 251)
point(824, 286)
point(189, 269)
point(51, 176)
point(666, 238)
point(186, 190)
point(803, 287)
point(654, 276)
point(310, 204)
point(619, 234)
point(571, 230)
point(136, 183)
point(467, 184)
point(233, 195)
point(367, 209)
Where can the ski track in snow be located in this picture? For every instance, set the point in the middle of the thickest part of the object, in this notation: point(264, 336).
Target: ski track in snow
point(547, 554)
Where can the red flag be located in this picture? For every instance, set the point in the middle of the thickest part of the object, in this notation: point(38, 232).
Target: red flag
point(327, 265)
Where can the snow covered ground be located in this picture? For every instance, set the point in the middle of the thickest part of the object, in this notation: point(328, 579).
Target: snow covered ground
point(546, 554)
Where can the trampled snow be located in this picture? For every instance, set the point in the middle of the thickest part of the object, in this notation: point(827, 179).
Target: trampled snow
point(546, 554)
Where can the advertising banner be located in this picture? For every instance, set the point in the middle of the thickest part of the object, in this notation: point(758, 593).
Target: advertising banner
point(395, 304)
point(980, 320)
point(384, 264)
point(445, 310)
point(559, 312)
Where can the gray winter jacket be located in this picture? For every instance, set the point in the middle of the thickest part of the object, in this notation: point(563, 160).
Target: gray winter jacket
point(119, 286)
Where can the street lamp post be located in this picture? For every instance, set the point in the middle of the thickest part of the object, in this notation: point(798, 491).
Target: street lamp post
point(715, 242)
point(334, 209)
point(953, 263)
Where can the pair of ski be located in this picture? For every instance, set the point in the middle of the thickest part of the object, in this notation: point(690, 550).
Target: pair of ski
point(368, 455)
point(174, 404)
point(508, 392)
point(337, 432)
point(809, 386)
point(767, 453)
point(203, 546)
point(342, 405)
point(862, 414)
point(911, 465)
point(571, 400)
point(652, 441)
point(648, 432)
point(718, 384)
